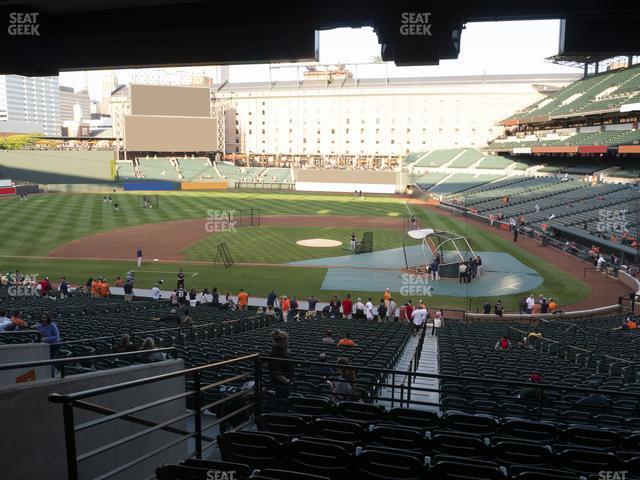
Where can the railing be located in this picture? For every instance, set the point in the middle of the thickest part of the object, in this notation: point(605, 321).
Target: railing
point(61, 362)
point(217, 329)
point(31, 335)
point(78, 400)
point(254, 401)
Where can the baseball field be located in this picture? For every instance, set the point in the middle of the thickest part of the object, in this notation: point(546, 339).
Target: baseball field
point(82, 235)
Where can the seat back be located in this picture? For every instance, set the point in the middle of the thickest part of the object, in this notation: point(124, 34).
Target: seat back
point(414, 418)
point(338, 429)
point(282, 423)
point(385, 465)
point(255, 450)
point(320, 458)
point(449, 470)
point(365, 412)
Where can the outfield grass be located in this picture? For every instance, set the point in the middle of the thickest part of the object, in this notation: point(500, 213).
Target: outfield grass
point(43, 222)
point(37, 226)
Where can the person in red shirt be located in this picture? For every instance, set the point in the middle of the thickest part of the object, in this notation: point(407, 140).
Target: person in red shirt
point(347, 307)
point(286, 307)
point(408, 306)
point(45, 286)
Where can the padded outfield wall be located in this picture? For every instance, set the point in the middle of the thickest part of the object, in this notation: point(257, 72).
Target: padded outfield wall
point(348, 181)
point(53, 167)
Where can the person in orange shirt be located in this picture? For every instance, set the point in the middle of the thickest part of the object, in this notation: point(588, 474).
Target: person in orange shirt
point(346, 341)
point(387, 296)
point(94, 288)
point(553, 306)
point(104, 289)
point(286, 307)
point(243, 300)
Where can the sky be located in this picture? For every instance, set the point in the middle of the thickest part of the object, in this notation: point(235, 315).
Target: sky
point(486, 48)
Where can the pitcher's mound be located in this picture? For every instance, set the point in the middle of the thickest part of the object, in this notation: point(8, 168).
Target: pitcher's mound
point(319, 242)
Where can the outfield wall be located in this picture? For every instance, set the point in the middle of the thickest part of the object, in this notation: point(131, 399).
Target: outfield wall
point(336, 180)
point(56, 167)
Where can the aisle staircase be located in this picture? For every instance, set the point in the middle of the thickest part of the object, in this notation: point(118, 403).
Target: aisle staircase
point(427, 363)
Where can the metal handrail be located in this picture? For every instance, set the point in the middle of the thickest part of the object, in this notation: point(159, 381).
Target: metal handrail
point(67, 398)
point(59, 361)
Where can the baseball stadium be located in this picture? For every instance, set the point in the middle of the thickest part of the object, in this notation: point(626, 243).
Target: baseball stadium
point(317, 279)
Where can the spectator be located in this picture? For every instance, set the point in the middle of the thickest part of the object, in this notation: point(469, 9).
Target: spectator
point(368, 309)
point(128, 291)
point(328, 338)
point(503, 344)
point(322, 370)
point(536, 308)
point(553, 306)
point(281, 372)
point(391, 311)
point(418, 318)
point(544, 306)
point(347, 341)
point(48, 329)
point(437, 323)
point(629, 324)
point(342, 388)
point(530, 302)
point(334, 307)
point(5, 322)
point(532, 393)
point(499, 308)
point(359, 309)
point(18, 321)
point(149, 344)
point(313, 301)
point(271, 298)
point(382, 310)
point(434, 273)
point(295, 307)
point(486, 308)
point(124, 344)
point(119, 282)
point(215, 297)
point(594, 401)
point(347, 307)
point(522, 305)
point(155, 292)
point(63, 288)
point(286, 308)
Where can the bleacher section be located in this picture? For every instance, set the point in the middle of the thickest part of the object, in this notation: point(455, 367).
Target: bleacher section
point(276, 174)
point(494, 162)
point(157, 169)
point(437, 158)
point(126, 171)
point(468, 158)
point(197, 169)
point(610, 138)
point(459, 182)
point(607, 90)
point(428, 180)
point(229, 171)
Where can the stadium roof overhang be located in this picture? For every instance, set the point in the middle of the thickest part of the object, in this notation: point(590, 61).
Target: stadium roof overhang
point(43, 37)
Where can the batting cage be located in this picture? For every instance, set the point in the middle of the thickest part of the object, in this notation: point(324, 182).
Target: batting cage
point(248, 217)
point(366, 244)
point(148, 201)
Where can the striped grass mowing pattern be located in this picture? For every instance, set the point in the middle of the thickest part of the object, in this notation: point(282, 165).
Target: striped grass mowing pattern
point(43, 222)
